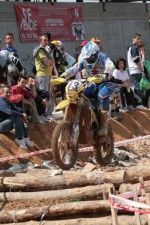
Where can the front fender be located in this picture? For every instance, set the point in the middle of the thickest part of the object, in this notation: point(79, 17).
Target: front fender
point(63, 104)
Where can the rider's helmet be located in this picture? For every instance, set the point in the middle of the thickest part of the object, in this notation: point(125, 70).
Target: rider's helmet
point(90, 52)
point(12, 70)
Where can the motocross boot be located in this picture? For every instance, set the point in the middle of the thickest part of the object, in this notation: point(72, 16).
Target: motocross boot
point(103, 131)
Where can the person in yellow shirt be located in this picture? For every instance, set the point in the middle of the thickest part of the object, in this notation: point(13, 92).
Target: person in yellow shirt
point(44, 64)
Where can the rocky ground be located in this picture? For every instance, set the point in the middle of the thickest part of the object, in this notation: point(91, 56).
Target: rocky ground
point(133, 124)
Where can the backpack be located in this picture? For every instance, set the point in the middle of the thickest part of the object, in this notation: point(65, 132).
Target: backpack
point(35, 52)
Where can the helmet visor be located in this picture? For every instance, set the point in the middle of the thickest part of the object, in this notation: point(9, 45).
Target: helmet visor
point(92, 58)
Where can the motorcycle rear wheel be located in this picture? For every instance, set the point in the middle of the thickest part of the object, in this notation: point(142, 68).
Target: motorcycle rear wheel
point(105, 149)
point(65, 152)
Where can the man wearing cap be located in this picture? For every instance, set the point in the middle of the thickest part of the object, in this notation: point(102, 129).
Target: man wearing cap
point(59, 56)
point(63, 61)
point(83, 43)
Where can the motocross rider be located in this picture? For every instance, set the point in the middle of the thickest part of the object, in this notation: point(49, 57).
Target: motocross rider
point(96, 62)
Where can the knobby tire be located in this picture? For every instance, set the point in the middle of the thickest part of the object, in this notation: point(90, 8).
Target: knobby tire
point(65, 126)
point(106, 147)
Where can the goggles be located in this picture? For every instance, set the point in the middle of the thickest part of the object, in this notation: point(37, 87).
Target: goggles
point(92, 58)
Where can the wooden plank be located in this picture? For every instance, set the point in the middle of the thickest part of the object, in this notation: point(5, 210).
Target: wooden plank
point(82, 193)
point(68, 180)
point(106, 220)
point(70, 208)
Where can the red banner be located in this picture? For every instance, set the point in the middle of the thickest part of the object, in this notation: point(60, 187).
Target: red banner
point(64, 23)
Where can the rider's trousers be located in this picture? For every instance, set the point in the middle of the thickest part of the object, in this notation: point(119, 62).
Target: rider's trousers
point(101, 92)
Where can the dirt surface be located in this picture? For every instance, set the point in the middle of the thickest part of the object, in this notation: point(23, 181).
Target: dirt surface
point(133, 124)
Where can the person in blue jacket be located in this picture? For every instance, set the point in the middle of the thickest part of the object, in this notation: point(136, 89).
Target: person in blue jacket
point(13, 117)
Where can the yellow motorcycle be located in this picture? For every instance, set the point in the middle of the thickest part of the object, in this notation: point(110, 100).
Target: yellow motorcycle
point(81, 123)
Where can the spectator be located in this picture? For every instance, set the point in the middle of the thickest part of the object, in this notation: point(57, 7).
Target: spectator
point(146, 64)
point(63, 62)
point(9, 40)
point(55, 54)
point(79, 48)
point(12, 117)
point(121, 80)
point(51, 48)
point(56, 50)
point(82, 44)
point(33, 114)
point(59, 56)
point(10, 65)
point(44, 64)
point(1, 87)
point(20, 93)
point(114, 104)
point(2, 79)
point(136, 68)
point(41, 101)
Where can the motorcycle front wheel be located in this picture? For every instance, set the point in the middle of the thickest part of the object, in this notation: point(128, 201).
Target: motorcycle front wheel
point(105, 149)
point(65, 152)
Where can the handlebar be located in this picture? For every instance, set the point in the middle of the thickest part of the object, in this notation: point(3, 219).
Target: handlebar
point(98, 78)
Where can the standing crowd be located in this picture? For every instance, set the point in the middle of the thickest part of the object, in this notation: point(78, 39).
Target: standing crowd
point(31, 98)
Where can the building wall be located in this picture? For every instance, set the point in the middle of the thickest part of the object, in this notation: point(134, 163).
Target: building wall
point(115, 27)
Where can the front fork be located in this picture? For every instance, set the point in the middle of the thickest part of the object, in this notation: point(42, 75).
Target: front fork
point(75, 133)
point(68, 116)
